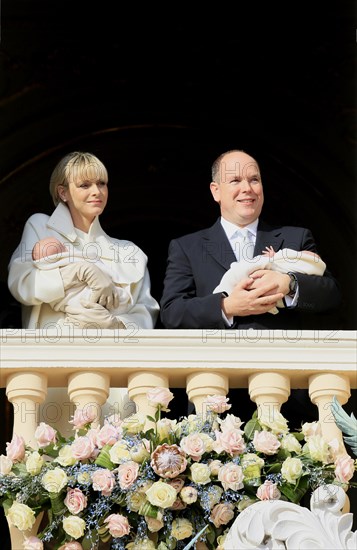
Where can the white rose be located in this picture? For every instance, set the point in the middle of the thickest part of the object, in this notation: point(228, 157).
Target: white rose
point(54, 480)
point(119, 452)
point(291, 469)
point(34, 463)
point(134, 424)
point(161, 494)
point(291, 444)
point(74, 526)
point(200, 473)
point(5, 465)
point(65, 457)
point(21, 516)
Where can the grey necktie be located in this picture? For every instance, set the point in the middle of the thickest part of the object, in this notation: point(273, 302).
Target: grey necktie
point(243, 245)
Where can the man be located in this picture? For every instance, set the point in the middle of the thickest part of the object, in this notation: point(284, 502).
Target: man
point(197, 262)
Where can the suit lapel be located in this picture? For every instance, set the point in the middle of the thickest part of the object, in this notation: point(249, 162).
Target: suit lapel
point(268, 236)
point(217, 246)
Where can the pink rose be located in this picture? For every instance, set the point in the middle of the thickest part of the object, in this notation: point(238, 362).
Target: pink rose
point(33, 543)
point(217, 403)
point(177, 483)
point(15, 450)
point(127, 473)
point(75, 501)
point(193, 445)
point(345, 467)
point(222, 514)
point(108, 435)
point(268, 491)
point(231, 476)
point(45, 435)
point(160, 396)
point(118, 525)
point(82, 448)
point(71, 545)
point(85, 416)
point(266, 442)
point(230, 441)
point(103, 480)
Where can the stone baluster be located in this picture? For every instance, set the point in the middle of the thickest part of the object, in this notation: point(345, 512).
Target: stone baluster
point(269, 390)
point(138, 385)
point(89, 389)
point(26, 391)
point(322, 388)
point(201, 384)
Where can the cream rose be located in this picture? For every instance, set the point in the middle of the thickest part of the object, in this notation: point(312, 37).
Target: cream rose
point(200, 473)
point(135, 423)
point(54, 480)
point(119, 452)
point(181, 528)
point(34, 463)
point(291, 444)
point(21, 516)
point(272, 419)
point(317, 448)
point(165, 427)
point(251, 466)
point(311, 428)
point(74, 526)
point(65, 457)
point(161, 494)
point(291, 469)
point(5, 465)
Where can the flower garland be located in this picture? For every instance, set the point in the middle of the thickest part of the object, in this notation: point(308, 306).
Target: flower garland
point(174, 485)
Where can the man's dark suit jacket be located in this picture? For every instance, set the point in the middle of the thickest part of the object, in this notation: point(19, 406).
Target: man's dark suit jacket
point(197, 262)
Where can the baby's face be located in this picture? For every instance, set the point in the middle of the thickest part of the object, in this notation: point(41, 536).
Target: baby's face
point(47, 247)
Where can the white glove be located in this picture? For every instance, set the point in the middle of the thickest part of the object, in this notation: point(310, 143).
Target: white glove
point(103, 289)
point(91, 314)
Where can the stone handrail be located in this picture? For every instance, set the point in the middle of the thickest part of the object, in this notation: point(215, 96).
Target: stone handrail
point(205, 362)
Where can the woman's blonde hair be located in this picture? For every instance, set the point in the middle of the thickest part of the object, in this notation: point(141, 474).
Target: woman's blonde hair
point(73, 167)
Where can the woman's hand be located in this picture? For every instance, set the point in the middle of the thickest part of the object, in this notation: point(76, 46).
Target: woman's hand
point(103, 289)
point(91, 316)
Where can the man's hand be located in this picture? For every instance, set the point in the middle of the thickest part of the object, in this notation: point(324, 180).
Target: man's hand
point(263, 277)
point(91, 316)
point(245, 300)
point(103, 289)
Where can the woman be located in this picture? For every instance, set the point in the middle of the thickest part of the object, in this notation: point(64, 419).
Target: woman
point(79, 189)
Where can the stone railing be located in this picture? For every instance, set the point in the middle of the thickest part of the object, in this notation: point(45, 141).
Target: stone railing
point(89, 364)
